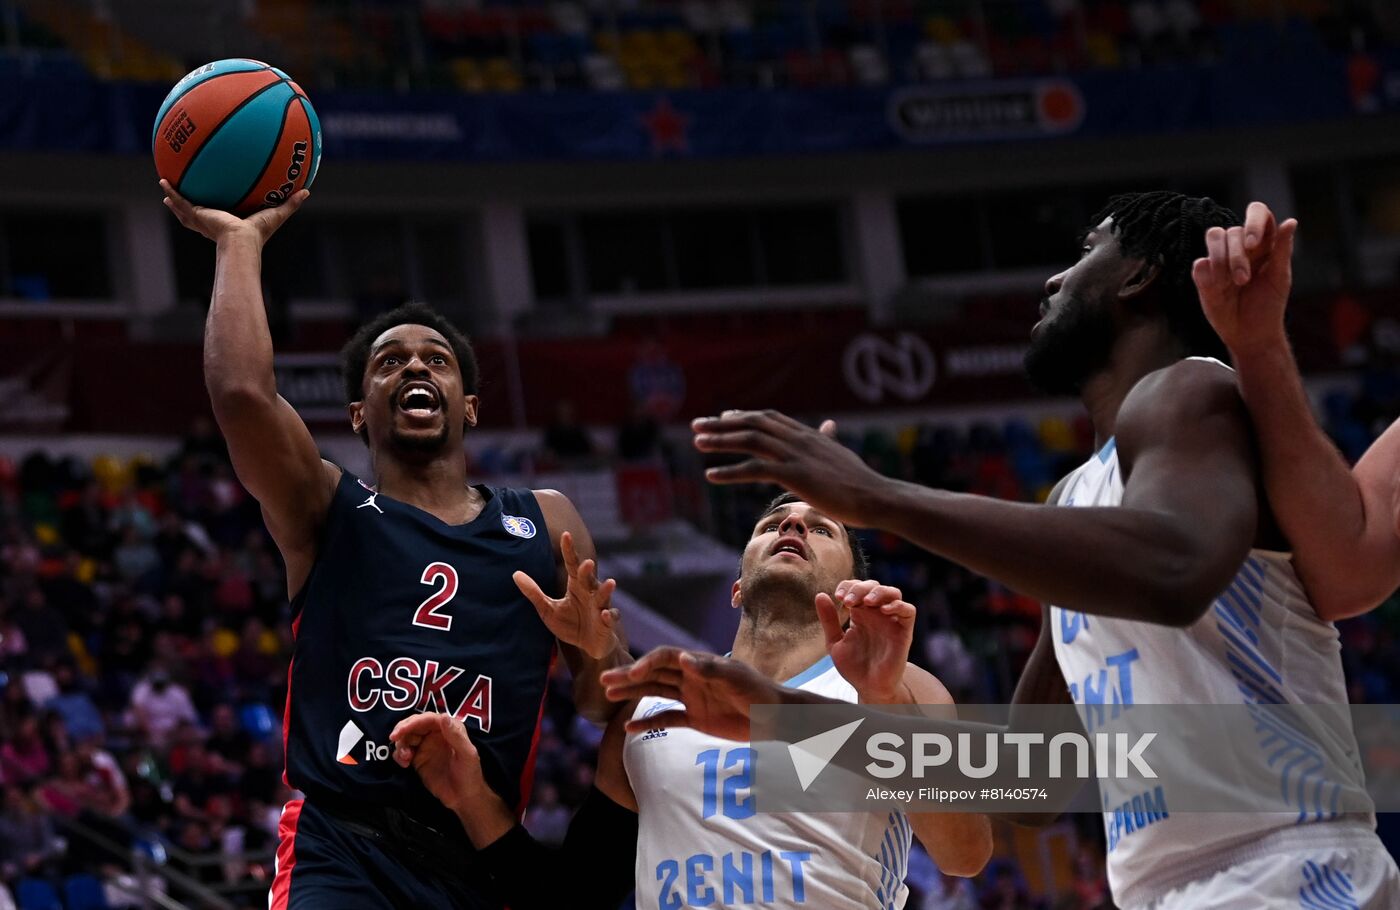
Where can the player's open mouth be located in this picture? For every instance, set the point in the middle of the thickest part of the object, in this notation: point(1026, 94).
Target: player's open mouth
point(419, 399)
point(791, 545)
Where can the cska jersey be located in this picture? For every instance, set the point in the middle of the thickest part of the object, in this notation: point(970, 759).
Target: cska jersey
point(402, 613)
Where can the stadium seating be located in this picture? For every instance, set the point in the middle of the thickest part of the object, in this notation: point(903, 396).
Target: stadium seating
point(508, 46)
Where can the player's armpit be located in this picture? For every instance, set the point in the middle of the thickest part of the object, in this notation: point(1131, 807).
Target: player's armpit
point(1188, 461)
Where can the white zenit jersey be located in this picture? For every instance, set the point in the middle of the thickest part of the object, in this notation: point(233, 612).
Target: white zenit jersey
point(701, 844)
point(1261, 642)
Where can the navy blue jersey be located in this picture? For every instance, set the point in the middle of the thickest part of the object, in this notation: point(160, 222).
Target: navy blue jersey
point(401, 613)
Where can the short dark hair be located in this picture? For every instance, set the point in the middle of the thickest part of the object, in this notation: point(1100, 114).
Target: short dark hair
point(355, 355)
point(860, 562)
point(1169, 229)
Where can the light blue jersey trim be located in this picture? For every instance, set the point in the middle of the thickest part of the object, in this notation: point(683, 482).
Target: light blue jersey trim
point(811, 673)
point(1108, 449)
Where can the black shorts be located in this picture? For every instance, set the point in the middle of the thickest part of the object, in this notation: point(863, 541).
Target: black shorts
point(325, 862)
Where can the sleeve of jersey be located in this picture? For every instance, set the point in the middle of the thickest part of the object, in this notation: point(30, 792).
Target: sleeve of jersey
point(600, 849)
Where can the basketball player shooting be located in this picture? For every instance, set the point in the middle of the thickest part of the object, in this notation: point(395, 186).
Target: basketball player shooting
point(701, 841)
point(1344, 523)
point(1159, 560)
point(412, 591)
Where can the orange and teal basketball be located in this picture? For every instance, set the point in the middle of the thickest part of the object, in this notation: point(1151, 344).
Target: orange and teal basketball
point(237, 135)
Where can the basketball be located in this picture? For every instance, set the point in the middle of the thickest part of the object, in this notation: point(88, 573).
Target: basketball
point(237, 135)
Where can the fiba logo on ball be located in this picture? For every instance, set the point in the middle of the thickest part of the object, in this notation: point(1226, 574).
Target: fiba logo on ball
point(520, 527)
point(180, 131)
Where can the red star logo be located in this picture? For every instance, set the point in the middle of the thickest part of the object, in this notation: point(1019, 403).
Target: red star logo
point(667, 127)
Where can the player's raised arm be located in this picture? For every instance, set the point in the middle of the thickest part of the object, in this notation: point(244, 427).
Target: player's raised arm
point(1342, 523)
point(1186, 524)
point(871, 652)
point(583, 619)
point(272, 451)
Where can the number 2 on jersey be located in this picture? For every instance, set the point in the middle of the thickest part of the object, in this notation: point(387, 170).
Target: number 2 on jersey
point(727, 801)
point(428, 616)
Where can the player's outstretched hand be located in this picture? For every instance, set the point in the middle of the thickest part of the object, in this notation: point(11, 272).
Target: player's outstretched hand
point(584, 617)
point(1245, 279)
point(216, 224)
point(872, 651)
point(715, 692)
point(438, 748)
point(811, 463)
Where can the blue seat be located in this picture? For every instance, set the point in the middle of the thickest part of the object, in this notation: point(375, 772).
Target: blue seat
point(36, 894)
point(84, 892)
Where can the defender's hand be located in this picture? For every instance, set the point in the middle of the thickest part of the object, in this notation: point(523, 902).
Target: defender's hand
point(218, 225)
point(716, 692)
point(584, 616)
point(811, 463)
point(872, 652)
point(1245, 279)
point(439, 749)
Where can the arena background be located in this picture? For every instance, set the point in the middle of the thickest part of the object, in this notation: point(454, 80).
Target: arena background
point(643, 211)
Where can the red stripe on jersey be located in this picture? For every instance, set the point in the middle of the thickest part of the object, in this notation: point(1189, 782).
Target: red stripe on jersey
point(287, 707)
point(527, 774)
point(286, 856)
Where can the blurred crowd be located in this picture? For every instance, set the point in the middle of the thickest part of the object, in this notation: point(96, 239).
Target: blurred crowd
point(504, 46)
point(145, 631)
point(144, 636)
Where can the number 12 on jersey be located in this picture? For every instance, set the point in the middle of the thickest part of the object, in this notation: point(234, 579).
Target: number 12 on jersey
point(727, 800)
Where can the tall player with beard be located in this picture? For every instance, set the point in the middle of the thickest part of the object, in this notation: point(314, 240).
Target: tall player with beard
point(699, 841)
point(1165, 578)
point(413, 590)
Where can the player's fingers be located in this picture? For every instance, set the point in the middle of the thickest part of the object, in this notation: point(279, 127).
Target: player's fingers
point(1205, 280)
point(412, 729)
point(858, 590)
point(633, 691)
point(544, 604)
point(455, 735)
point(664, 720)
point(755, 470)
point(653, 663)
point(746, 442)
point(1258, 224)
point(733, 421)
point(1283, 246)
point(1218, 254)
point(1239, 261)
point(900, 609)
point(828, 428)
point(883, 594)
point(566, 549)
point(588, 575)
point(831, 623)
point(610, 617)
point(605, 590)
point(173, 194)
